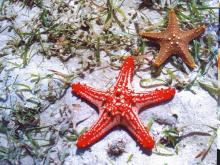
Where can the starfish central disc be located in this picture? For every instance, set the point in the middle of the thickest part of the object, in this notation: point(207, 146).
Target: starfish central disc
point(120, 106)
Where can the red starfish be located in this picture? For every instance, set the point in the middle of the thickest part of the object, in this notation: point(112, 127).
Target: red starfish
point(120, 106)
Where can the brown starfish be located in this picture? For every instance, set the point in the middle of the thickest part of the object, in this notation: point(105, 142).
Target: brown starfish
point(173, 41)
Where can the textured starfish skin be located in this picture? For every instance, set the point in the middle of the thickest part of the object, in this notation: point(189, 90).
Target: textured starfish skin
point(120, 106)
point(173, 41)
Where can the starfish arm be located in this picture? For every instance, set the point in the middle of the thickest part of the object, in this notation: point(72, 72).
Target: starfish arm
point(88, 93)
point(103, 125)
point(193, 33)
point(163, 55)
point(155, 36)
point(137, 129)
point(143, 99)
point(126, 73)
point(186, 56)
point(172, 21)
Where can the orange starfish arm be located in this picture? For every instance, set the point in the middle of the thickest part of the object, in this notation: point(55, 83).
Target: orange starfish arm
point(155, 36)
point(186, 56)
point(172, 20)
point(143, 99)
point(126, 73)
point(194, 33)
point(102, 126)
point(88, 93)
point(164, 53)
point(137, 129)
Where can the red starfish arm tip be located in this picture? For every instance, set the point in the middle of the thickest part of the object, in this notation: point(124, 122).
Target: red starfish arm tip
point(90, 94)
point(136, 128)
point(143, 99)
point(126, 73)
point(98, 130)
point(130, 60)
